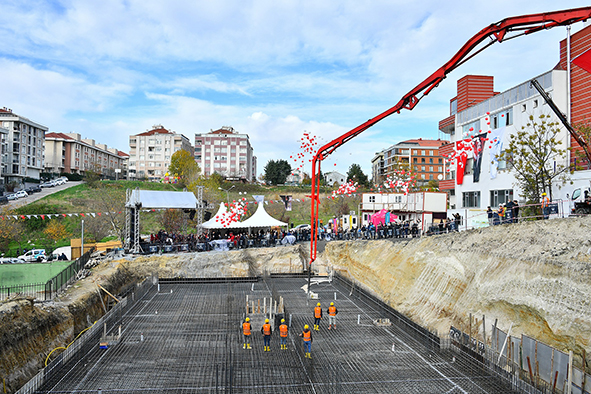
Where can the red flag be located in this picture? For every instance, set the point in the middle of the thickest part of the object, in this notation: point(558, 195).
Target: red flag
point(42, 217)
point(584, 61)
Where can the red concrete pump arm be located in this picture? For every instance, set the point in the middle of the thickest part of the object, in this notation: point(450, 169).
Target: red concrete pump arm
point(497, 32)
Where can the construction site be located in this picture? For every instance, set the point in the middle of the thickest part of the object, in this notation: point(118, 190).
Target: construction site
point(449, 313)
point(184, 336)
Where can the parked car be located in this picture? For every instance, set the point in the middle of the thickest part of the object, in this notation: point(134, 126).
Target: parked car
point(33, 189)
point(47, 184)
point(21, 194)
point(11, 260)
point(37, 255)
point(12, 197)
point(300, 227)
point(3, 200)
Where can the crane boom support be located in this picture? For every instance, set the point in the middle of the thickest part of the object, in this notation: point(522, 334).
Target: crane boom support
point(496, 32)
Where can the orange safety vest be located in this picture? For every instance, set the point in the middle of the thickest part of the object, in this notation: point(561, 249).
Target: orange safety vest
point(545, 202)
point(283, 330)
point(332, 310)
point(307, 336)
point(246, 328)
point(266, 329)
point(318, 312)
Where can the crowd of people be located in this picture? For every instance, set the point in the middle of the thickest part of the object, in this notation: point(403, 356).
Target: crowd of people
point(506, 213)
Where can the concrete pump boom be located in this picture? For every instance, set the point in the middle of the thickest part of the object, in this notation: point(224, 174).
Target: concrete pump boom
point(496, 32)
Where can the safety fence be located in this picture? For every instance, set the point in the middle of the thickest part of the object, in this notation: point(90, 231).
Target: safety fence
point(66, 276)
point(82, 346)
point(530, 365)
point(49, 289)
point(23, 290)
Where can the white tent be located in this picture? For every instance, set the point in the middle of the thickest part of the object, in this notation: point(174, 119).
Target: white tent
point(215, 222)
point(260, 219)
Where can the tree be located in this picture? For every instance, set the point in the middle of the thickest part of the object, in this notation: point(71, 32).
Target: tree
point(356, 174)
point(10, 229)
point(56, 231)
point(93, 177)
point(183, 165)
point(535, 157)
point(173, 221)
point(276, 172)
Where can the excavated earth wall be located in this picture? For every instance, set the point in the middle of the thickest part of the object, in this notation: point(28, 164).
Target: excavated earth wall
point(535, 276)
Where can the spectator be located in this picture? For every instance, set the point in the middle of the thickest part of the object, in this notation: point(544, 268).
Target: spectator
point(489, 212)
point(509, 212)
point(515, 211)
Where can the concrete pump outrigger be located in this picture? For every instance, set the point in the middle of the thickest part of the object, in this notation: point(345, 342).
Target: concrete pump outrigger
point(496, 32)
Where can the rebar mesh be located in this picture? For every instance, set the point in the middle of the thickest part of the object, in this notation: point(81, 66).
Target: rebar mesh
point(186, 338)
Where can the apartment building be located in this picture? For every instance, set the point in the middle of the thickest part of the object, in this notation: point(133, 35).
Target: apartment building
point(422, 156)
point(150, 152)
point(70, 153)
point(226, 152)
point(24, 147)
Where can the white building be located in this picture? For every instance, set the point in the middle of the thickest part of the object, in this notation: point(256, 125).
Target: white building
point(24, 157)
point(334, 176)
point(295, 178)
point(486, 180)
point(426, 206)
point(227, 153)
point(150, 152)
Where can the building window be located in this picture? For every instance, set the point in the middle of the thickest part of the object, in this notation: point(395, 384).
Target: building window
point(501, 119)
point(500, 197)
point(472, 128)
point(430, 154)
point(414, 160)
point(372, 198)
point(535, 103)
point(422, 168)
point(431, 169)
point(422, 153)
point(471, 199)
point(431, 177)
point(431, 160)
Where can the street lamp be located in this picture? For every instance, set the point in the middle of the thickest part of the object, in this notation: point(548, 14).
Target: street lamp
point(227, 192)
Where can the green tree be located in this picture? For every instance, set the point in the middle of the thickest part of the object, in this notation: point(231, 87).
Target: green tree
point(276, 171)
point(356, 174)
point(183, 165)
point(535, 156)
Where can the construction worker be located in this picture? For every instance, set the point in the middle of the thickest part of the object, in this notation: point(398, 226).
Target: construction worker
point(283, 331)
point(545, 205)
point(307, 336)
point(317, 317)
point(246, 331)
point(266, 331)
point(332, 316)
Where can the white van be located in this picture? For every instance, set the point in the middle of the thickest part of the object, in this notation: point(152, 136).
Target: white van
point(34, 255)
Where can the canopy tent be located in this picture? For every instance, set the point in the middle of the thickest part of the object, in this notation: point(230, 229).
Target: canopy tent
point(260, 219)
point(161, 199)
point(215, 222)
point(384, 217)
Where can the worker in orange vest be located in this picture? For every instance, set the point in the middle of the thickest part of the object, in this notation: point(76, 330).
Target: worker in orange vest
point(545, 206)
point(283, 331)
point(266, 331)
point(332, 316)
point(246, 331)
point(307, 336)
point(317, 317)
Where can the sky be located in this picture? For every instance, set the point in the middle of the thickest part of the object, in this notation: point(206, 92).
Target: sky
point(271, 69)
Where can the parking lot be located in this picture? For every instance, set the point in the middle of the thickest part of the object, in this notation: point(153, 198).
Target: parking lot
point(36, 196)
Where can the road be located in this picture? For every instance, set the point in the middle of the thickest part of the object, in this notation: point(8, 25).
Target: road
point(36, 196)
